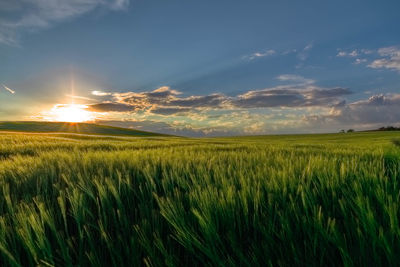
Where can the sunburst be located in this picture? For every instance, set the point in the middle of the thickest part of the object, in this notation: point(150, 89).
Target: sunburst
point(71, 113)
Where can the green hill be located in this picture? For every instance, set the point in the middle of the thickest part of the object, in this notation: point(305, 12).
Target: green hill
point(64, 127)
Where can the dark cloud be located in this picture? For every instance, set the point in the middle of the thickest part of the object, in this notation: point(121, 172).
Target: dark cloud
point(167, 101)
point(378, 110)
point(329, 93)
point(291, 97)
point(371, 113)
point(160, 96)
point(263, 99)
point(110, 107)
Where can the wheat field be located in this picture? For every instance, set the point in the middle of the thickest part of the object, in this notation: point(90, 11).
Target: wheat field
point(299, 200)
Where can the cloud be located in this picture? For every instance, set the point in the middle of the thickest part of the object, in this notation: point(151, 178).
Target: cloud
point(353, 53)
point(260, 54)
point(199, 124)
point(308, 47)
point(180, 129)
point(164, 97)
point(32, 15)
point(367, 51)
point(295, 97)
point(110, 107)
point(374, 112)
point(294, 78)
point(100, 93)
point(301, 54)
point(166, 101)
point(360, 60)
point(8, 89)
point(390, 59)
point(160, 96)
point(281, 109)
point(208, 101)
point(170, 111)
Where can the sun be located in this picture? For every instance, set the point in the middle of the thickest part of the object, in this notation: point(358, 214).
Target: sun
point(71, 113)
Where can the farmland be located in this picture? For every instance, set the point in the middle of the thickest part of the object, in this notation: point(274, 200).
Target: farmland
point(303, 200)
point(76, 128)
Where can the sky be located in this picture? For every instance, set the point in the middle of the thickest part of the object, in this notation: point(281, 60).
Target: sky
point(203, 68)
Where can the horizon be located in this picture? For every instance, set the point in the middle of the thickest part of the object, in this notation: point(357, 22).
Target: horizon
point(202, 68)
point(27, 130)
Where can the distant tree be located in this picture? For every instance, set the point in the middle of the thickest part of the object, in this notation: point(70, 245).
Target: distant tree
point(389, 128)
point(342, 131)
point(350, 130)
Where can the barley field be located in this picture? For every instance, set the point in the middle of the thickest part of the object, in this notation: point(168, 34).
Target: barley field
point(291, 200)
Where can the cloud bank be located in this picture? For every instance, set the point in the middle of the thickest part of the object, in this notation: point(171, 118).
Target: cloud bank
point(165, 100)
point(371, 113)
point(298, 107)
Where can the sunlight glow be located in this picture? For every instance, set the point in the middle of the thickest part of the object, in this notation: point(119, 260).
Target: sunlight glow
point(71, 113)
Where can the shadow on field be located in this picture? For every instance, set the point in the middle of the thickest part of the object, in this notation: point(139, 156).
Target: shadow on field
point(392, 161)
point(396, 142)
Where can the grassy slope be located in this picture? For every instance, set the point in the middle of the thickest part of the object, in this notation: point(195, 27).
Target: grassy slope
point(304, 200)
point(81, 128)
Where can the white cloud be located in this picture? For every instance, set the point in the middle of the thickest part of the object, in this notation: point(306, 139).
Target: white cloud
point(100, 93)
point(353, 53)
point(260, 54)
point(8, 89)
point(367, 51)
point(301, 54)
point(308, 47)
point(32, 15)
point(360, 60)
point(294, 78)
point(390, 59)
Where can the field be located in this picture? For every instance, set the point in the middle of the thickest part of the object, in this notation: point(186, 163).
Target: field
point(77, 128)
point(295, 200)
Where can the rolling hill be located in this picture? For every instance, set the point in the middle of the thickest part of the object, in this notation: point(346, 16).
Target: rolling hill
point(64, 127)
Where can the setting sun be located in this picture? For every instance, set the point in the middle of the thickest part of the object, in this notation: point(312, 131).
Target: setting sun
point(71, 113)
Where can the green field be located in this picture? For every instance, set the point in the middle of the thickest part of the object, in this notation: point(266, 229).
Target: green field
point(292, 200)
point(65, 127)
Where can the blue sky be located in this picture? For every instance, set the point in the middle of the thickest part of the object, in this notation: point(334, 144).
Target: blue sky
point(204, 67)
